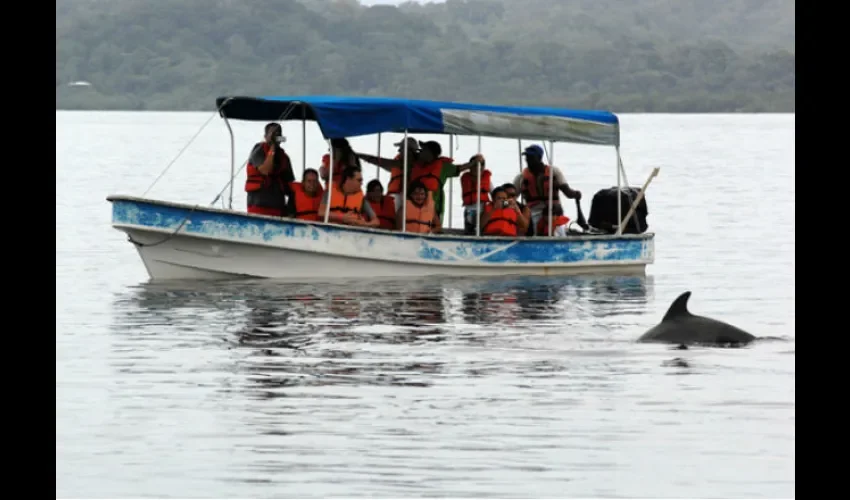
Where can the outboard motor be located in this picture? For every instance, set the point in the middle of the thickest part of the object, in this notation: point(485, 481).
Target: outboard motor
point(603, 210)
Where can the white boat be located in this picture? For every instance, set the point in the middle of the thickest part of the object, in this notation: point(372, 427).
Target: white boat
point(180, 241)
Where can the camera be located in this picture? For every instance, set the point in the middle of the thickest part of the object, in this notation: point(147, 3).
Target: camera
point(505, 203)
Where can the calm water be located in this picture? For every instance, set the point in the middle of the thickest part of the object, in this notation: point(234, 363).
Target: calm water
point(489, 387)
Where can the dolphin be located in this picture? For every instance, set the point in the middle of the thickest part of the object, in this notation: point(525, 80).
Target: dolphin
point(681, 327)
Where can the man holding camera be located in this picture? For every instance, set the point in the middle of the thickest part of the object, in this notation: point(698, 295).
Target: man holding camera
point(269, 174)
point(503, 217)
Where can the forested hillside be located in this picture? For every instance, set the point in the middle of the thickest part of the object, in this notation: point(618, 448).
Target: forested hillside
point(623, 55)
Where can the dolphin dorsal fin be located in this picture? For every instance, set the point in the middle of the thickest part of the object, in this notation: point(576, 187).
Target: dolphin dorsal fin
point(679, 307)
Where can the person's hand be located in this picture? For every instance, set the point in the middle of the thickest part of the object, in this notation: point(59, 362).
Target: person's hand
point(350, 218)
point(577, 194)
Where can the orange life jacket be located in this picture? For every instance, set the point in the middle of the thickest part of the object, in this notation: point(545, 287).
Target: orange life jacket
point(385, 210)
point(420, 219)
point(338, 168)
point(502, 222)
point(543, 223)
point(306, 206)
point(256, 181)
point(533, 192)
point(468, 183)
point(428, 174)
point(396, 177)
point(343, 203)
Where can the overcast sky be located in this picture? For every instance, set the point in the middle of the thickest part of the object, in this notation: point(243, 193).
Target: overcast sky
point(393, 2)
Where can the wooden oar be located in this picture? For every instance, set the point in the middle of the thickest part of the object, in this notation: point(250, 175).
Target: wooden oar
point(637, 200)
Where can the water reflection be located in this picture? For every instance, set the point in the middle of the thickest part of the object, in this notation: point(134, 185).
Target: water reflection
point(287, 336)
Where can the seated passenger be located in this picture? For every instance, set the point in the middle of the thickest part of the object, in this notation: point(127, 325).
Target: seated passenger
point(511, 191)
point(306, 197)
point(559, 226)
point(383, 206)
point(344, 156)
point(348, 205)
point(502, 217)
point(468, 183)
point(421, 214)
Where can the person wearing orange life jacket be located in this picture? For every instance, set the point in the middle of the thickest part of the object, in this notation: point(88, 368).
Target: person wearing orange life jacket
point(269, 173)
point(468, 185)
point(347, 203)
point(502, 217)
point(533, 183)
point(429, 167)
point(559, 222)
point(306, 196)
point(344, 156)
point(421, 213)
point(511, 192)
point(433, 170)
point(394, 166)
point(383, 206)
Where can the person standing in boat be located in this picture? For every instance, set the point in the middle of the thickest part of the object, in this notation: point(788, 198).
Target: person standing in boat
point(348, 205)
point(428, 166)
point(269, 173)
point(533, 183)
point(469, 198)
point(344, 156)
point(394, 166)
point(433, 170)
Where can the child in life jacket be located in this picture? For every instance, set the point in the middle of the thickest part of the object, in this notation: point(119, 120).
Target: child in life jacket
point(559, 226)
point(468, 185)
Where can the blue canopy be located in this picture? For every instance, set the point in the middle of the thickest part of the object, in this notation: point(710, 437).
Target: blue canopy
point(356, 116)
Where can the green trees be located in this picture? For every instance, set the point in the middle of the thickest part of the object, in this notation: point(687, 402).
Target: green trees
point(640, 55)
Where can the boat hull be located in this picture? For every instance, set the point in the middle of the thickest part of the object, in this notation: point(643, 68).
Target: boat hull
point(178, 242)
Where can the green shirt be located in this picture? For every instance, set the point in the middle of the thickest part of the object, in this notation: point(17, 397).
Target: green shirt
point(449, 170)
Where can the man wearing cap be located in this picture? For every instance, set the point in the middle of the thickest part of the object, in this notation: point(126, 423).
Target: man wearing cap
point(394, 166)
point(428, 166)
point(433, 169)
point(533, 183)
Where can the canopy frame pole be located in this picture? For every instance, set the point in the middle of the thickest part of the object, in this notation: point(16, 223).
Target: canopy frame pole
point(519, 152)
point(619, 188)
point(478, 192)
point(331, 186)
point(377, 168)
point(451, 184)
point(551, 184)
point(404, 184)
point(232, 162)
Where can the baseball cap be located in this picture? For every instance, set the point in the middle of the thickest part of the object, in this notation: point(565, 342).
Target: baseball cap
point(411, 143)
point(533, 150)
